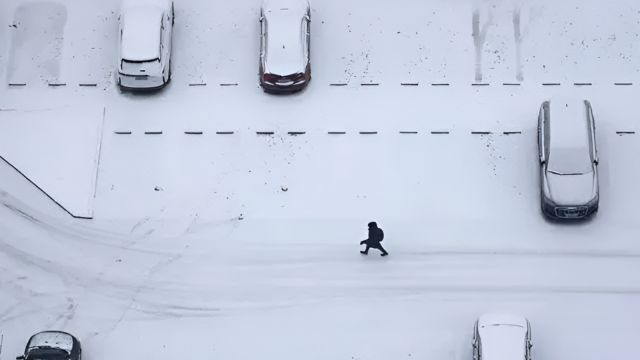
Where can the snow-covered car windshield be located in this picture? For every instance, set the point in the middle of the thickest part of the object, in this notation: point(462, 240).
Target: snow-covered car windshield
point(570, 161)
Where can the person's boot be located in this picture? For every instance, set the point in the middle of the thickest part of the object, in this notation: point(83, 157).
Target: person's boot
point(384, 254)
point(363, 252)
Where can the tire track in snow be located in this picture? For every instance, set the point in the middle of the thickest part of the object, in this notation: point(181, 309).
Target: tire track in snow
point(517, 33)
point(479, 36)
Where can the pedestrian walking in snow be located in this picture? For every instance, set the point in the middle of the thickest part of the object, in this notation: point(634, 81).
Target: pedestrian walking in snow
point(375, 237)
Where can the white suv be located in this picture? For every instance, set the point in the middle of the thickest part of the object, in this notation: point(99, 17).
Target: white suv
point(146, 27)
point(501, 337)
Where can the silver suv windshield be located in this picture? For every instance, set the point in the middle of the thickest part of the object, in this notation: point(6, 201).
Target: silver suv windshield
point(569, 161)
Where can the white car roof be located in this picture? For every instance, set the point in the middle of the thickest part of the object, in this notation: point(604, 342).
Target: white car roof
point(285, 40)
point(54, 339)
point(299, 7)
point(164, 4)
point(569, 139)
point(502, 336)
point(141, 26)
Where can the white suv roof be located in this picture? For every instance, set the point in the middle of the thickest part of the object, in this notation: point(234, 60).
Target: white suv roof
point(502, 336)
point(296, 6)
point(141, 28)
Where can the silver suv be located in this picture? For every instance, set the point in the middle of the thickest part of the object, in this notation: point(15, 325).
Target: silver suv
point(568, 159)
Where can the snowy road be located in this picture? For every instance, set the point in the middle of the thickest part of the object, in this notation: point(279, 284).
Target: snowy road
point(226, 221)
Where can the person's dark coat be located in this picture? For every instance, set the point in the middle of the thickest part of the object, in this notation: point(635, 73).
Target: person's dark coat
point(373, 240)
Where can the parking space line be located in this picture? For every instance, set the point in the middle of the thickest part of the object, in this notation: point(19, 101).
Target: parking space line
point(369, 84)
point(193, 132)
point(88, 84)
point(198, 84)
point(337, 132)
point(625, 132)
point(296, 133)
point(408, 132)
point(623, 84)
point(440, 132)
point(551, 84)
point(582, 84)
point(368, 132)
point(117, 132)
point(56, 84)
point(17, 84)
point(481, 133)
point(409, 84)
point(153, 132)
point(264, 132)
point(224, 132)
point(512, 132)
point(480, 84)
point(228, 84)
point(440, 84)
point(338, 84)
point(511, 84)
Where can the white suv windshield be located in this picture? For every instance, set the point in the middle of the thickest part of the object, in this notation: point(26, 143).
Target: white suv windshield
point(569, 161)
point(151, 67)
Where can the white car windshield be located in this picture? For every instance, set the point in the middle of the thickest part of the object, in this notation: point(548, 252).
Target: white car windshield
point(569, 161)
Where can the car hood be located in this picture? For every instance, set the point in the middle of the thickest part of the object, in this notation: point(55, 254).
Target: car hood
point(52, 339)
point(572, 189)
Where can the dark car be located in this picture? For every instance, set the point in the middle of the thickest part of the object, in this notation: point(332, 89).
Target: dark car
point(568, 159)
point(284, 45)
point(52, 345)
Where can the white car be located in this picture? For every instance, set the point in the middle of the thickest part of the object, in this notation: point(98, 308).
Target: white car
point(146, 27)
point(502, 337)
point(285, 45)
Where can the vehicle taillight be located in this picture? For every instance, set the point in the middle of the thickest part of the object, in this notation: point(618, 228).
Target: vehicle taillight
point(270, 78)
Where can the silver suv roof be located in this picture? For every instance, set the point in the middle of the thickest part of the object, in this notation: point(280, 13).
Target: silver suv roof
point(569, 139)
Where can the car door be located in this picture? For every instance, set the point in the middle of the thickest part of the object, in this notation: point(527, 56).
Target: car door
point(263, 40)
point(163, 46)
point(120, 43)
point(475, 342)
point(592, 133)
point(307, 29)
point(167, 37)
point(528, 344)
point(542, 133)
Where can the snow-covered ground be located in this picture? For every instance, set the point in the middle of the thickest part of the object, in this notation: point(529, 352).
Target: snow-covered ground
point(244, 245)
